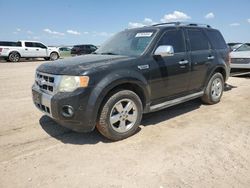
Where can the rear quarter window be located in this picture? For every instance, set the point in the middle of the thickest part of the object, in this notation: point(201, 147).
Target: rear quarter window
point(216, 39)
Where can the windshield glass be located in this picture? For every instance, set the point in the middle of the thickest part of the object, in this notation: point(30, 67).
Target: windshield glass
point(235, 46)
point(128, 43)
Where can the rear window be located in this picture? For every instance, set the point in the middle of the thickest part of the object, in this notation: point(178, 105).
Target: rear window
point(216, 39)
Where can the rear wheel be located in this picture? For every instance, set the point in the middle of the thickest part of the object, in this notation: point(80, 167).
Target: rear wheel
point(214, 89)
point(120, 116)
point(14, 57)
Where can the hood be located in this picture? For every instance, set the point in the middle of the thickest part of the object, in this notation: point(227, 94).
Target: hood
point(53, 48)
point(78, 65)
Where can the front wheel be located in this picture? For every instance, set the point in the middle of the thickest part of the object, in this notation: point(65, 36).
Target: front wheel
point(54, 56)
point(214, 89)
point(120, 116)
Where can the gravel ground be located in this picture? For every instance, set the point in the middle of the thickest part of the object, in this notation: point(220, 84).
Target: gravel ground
point(189, 145)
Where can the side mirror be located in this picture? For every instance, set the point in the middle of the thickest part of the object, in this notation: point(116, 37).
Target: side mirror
point(164, 50)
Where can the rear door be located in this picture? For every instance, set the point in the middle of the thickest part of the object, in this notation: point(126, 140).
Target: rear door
point(202, 57)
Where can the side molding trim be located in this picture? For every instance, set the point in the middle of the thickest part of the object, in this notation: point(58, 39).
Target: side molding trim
point(175, 101)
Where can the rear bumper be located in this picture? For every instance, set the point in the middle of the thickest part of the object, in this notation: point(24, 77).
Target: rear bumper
point(82, 119)
point(4, 54)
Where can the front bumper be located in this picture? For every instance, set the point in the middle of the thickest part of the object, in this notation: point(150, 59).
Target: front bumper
point(52, 105)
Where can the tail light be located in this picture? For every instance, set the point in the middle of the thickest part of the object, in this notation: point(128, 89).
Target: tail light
point(1, 49)
point(228, 60)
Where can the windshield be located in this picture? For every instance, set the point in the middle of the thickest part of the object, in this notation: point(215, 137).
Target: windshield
point(128, 43)
point(234, 47)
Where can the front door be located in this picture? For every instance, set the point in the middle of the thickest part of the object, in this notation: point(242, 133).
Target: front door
point(41, 50)
point(169, 74)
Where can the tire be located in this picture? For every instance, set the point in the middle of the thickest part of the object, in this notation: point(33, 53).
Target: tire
point(214, 89)
point(14, 57)
point(53, 56)
point(120, 115)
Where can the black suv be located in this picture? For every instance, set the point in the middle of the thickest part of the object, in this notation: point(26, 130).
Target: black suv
point(83, 49)
point(137, 71)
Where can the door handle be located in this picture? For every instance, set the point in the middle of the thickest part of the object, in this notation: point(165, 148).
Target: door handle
point(210, 57)
point(142, 67)
point(37, 49)
point(26, 48)
point(183, 62)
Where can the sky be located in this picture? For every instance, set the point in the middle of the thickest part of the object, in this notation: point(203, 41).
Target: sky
point(69, 22)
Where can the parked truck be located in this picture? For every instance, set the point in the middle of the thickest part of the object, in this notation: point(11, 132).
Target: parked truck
point(27, 49)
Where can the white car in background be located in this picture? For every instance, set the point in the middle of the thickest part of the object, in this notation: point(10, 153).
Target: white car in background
point(13, 51)
point(240, 58)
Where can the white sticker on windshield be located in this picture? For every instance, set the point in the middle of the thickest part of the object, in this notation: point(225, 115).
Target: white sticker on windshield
point(145, 34)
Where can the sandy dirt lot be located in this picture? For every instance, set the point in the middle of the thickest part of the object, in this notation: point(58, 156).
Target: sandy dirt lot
point(189, 145)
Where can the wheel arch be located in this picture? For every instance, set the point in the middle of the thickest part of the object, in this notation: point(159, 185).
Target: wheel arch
point(219, 69)
point(55, 52)
point(222, 71)
point(110, 85)
point(14, 51)
point(132, 86)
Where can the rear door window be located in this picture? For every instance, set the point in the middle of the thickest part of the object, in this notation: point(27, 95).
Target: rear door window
point(198, 40)
point(29, 44)
point(19, 44)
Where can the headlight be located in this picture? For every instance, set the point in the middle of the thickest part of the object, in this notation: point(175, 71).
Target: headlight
point(70, 83)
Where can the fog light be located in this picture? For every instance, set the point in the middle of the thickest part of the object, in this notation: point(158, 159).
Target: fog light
point(67, 111)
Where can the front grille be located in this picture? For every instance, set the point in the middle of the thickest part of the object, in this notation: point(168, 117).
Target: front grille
point(45, 82)
point(43, 108)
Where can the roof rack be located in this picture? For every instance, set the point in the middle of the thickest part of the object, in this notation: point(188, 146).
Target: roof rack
point(183, 24)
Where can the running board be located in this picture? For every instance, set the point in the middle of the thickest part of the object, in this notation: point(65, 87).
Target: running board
point(175, 101)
